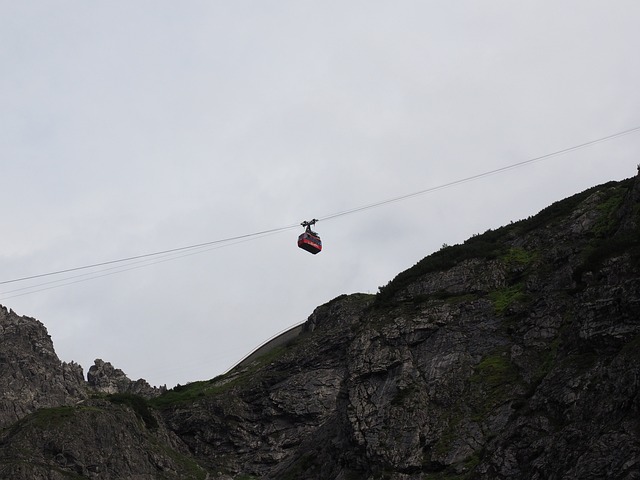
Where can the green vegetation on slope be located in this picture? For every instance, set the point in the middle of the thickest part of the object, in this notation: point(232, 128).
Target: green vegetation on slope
point(139, 405)
point(220, 384)
point(493, 243)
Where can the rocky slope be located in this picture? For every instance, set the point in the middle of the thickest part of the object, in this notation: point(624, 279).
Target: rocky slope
point(31, 374)
point(33, 377)
point(512, 356)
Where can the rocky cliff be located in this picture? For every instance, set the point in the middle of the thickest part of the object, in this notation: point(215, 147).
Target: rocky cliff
point(31, 374)
point(33, 377)
point(515, 355)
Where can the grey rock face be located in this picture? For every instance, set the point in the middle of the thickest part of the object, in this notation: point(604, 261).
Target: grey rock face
point(33, 377)
point(97, 439)
point(104, 378)
point(31, 374)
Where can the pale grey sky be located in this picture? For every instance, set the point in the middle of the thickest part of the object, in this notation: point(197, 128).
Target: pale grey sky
point(134, 127)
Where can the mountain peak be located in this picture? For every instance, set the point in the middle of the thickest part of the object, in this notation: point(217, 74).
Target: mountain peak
point(512, 355)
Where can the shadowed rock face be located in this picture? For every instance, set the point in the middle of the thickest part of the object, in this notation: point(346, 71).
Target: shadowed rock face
point(31, 374)
point(33, 377)
point(96, 439)
point(514, 355)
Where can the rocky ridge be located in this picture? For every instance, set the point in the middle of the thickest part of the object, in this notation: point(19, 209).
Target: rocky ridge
point(31, 374)
point(33, 377)
point(515, 355)
point(105, 378)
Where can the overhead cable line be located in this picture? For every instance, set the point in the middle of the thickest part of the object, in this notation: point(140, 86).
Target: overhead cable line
point(250, 236)
point(113, 270)
point(479, 175)
point(146, 255)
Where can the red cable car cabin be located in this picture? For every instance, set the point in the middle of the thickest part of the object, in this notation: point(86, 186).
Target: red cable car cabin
point(310, 240)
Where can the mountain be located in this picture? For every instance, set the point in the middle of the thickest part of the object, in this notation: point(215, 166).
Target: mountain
point(515, 355)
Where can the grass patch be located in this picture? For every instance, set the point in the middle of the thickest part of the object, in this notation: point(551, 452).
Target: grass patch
point(604, 249)
point(505, 297)
point(452, 298)
point(46, 418)
point(608, 210)
point(519, 257)
point(189, 393)
point(138, 404)
point(495, 370)
point(189, 466)
point(39, 470)
point(492, 243)
point(604, 244)
point(194, 391)
point(561, 209)
point(483, 246)
point(51, 417)
point(496, 376)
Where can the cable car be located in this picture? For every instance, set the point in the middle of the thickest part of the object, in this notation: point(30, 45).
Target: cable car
point(310, 240)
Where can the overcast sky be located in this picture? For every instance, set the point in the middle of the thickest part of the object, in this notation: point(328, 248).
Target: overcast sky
point(132, 127)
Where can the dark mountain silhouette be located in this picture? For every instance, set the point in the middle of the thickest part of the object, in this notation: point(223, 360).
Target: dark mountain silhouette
point(515, 355)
